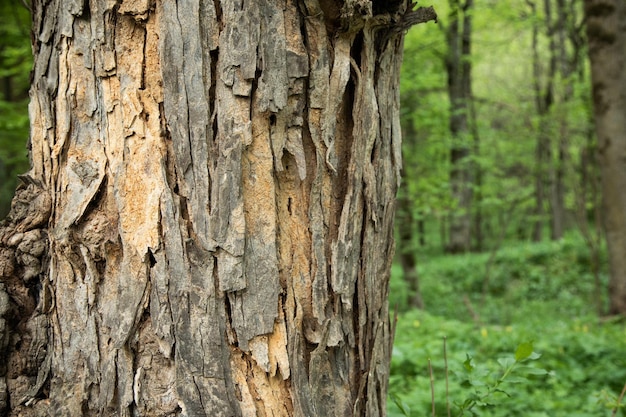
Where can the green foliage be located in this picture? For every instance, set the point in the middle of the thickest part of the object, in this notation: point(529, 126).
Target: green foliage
point(610, 400)
point(502, 286)
point(541, 292)
point(424, 117)
point(15, 65)
point(482, 387)
point(584, 358)
point(507, 125)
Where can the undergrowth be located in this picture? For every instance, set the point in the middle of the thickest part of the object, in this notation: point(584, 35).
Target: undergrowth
point(541, 292)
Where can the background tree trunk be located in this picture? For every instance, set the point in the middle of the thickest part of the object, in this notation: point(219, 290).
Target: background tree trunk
point(606, 30)
point(458, 65)
point(411, 229)
point(207, 227)
point(407, 248)
point(544, 99)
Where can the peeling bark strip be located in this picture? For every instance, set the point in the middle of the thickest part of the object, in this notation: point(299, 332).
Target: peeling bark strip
point(207, 225)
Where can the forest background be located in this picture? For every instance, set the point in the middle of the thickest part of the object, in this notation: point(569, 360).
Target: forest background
point(499, 237)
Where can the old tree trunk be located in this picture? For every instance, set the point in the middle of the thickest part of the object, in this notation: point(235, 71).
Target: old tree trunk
point(606, 30)
point(207, 225)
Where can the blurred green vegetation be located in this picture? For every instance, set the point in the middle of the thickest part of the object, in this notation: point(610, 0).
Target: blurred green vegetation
point(521, 275)
point(15, 66)
point(535, 291)
point(505, 124)
point(515, 285)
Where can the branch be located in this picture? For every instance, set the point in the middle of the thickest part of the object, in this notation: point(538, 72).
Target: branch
point(417, 16)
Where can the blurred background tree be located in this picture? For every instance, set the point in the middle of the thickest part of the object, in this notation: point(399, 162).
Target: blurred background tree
point(498, 128)
point(15, 66)
point(526, 118)
point(536, 264)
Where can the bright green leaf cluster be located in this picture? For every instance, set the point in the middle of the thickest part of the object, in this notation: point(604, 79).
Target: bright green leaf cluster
point(537, 291)
point(482, 387)
point(485, 387)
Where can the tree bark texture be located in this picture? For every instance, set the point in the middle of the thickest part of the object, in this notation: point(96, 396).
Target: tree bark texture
point(606, 31)
point(207, 225)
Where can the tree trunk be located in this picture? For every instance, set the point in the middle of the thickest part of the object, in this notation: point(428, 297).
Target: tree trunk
point(544, 99)
point(567, 56)
point(606, 31)
point(405, 216)
point(407, 248)
point(458, 66)
point(557, 165)
point(554, 131)
point(207, 227)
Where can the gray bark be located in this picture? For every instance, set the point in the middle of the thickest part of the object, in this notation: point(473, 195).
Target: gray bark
point(207, 225)
point(606, 31)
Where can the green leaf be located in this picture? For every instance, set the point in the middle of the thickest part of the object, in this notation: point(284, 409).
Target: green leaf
point(507, 362)
point(515, 380)
point(469, 367)
point(524, 351)
point(477, 382)
point(531, 370)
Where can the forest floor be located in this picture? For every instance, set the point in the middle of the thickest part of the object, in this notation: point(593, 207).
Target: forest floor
point(484, 306)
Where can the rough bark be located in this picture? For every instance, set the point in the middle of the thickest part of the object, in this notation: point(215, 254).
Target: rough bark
point(606, 31)
point(207, 225)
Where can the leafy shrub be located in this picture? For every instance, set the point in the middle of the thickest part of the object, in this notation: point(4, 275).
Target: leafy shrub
point(541, 292)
